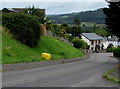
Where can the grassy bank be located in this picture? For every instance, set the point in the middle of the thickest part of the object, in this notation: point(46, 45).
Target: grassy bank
point(15, 52)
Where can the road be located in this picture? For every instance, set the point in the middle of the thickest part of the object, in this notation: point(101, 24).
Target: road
point(83, 73)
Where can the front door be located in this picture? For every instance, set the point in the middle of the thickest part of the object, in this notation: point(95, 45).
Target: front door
point(97, 47)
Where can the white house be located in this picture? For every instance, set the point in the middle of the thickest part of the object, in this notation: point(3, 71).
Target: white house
point(110, 40)
point(93, 40)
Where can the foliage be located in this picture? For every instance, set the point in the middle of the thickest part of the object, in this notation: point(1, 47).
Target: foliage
point(38, 13)
point(75, 31)
point(116, 52)
point(102, 32)
point(61, 30)
point(24, 27)
point(0, 19)
point(77, 21)
point(79, 43)
point(50, 27)
point(69, 37)
point(15, 52)
point(112, 20)
point(110, 49)
point(57, 30)
point(0, 45)
point(65, 27)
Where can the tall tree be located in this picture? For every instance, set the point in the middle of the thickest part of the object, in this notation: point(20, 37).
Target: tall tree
point(75, 31)
point(77, 21)
point(113, 17)
point(38, 13)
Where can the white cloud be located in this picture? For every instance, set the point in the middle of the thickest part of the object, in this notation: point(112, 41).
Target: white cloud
point(57, 7)
point(52, 0)
point(73, 7)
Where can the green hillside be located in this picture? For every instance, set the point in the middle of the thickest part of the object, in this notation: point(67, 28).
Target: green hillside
point(0, 39)
point(15, 52)
point(95, 16)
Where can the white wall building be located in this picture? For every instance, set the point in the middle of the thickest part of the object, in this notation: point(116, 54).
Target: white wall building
point(93, 40)
point(110, 40)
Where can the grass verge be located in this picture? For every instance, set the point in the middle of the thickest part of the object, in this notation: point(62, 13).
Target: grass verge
point(108, 76)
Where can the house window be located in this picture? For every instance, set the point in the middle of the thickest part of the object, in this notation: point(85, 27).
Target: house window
point(88, 47)
point(92, 42)
point(92, 48)
point(99, 41)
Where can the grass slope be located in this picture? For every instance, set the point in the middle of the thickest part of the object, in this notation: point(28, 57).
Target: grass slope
point(15, 52)
point(0, 48)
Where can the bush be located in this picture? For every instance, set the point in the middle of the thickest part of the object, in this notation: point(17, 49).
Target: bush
point(69, 37)
point(24, 27)
point(116, 52)
point(79, 43)
point(0, 19)
point(110, 49)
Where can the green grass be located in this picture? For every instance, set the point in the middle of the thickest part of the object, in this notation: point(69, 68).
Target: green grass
point(15, 52)
point(0, 48)
point(91, 24)
point(64, 16)
point(109, 76)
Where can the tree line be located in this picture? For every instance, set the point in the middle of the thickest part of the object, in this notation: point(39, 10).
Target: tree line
point(96, 16)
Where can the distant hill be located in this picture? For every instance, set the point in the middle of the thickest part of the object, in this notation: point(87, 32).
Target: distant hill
point(96, 16)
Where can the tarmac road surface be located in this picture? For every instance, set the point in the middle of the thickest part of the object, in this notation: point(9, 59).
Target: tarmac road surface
point(83, 73)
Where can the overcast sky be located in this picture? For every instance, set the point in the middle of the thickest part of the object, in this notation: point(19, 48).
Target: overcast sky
point(57, 7)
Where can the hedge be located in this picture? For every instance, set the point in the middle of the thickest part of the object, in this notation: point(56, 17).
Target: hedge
point(116, 52)
point(24, 27)
point(78, 43)
point(110, 49)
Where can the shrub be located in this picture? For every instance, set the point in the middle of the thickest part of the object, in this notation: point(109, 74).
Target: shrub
point(110, 49)
point(69, 37)
point(24, 27)
point(79, 43)
point(116, 52)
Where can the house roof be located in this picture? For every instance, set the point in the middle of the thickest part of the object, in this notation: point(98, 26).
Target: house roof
point(110, 39)
point(10, 9)
point(20, 9)
point(92, 36)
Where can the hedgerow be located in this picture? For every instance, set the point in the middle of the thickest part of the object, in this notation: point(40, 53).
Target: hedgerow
point(116, 52)
point(24, 27)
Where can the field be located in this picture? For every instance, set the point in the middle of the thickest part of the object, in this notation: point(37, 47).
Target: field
point(91, 24)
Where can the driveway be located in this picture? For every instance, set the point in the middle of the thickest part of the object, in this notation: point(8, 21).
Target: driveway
point(84, 73)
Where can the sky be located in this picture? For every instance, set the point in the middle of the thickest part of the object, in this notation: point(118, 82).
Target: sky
point(56, 7)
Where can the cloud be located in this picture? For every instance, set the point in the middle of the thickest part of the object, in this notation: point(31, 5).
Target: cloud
point(74, 7)
point(51, 0)
point(57, 7)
